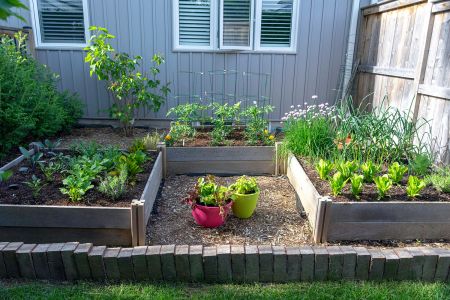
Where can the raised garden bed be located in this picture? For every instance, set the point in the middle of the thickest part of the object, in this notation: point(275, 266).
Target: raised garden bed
point(50, 217)
point(368, 220)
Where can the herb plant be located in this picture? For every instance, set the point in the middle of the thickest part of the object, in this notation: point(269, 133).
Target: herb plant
point(114, 186)
point(370, 170)
point(396, 172)
point(357, 183)
point(324, 167)
point(415, 186)
point(384, 184)
point(36, 185)
point(440, 180)
point(245, 185)
point(150, 141)
point(132, 89)
point(420, 165)
point(337, 183)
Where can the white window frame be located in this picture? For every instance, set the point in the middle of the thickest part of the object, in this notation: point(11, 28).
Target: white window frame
point(212, 31)
point(294, 30)
point(37, 28)
point(251, 23)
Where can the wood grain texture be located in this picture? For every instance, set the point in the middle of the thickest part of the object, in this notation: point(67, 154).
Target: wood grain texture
point(152, 187)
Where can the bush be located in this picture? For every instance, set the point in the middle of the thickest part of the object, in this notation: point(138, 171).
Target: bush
point(31, 107)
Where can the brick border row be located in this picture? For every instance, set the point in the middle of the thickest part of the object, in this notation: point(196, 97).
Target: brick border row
point(224, 263)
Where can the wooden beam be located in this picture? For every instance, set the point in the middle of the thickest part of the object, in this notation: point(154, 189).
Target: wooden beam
point(388, 71)
point(389, 5)
point(434, 91)
point(440, 7)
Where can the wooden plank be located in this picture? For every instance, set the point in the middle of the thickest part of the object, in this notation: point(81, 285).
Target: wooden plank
point(15, 162)
point(222, 167)
point(152, 187)
point(391, 212)
point(304, 188)
point(388, 71)
point(246, 153)
point(441, 7)
point(388, 231)
point(434, 91)
point(64, 216)
point(116, 237)
point(389, 5)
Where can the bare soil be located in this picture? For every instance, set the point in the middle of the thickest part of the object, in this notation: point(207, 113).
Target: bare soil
point(50, 194)
point(396, 193)
point(276, 219)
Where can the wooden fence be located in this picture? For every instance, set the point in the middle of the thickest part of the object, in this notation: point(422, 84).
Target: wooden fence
point(404, 54)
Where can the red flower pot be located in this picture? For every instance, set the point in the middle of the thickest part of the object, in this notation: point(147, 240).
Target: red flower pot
point(209, 216)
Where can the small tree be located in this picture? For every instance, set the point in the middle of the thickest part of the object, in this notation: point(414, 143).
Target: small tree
point(131, 89)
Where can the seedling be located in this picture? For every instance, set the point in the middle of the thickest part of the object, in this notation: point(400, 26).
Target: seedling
point(35, 184)
point(324, 167)
point(337, 183)
point(396, 172)
point(415, 186)
point(384, 184)
point(357, 185)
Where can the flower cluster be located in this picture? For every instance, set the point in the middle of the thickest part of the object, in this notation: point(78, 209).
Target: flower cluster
point(309, 112)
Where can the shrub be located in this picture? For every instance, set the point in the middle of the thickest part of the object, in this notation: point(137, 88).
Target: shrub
point(31, 107)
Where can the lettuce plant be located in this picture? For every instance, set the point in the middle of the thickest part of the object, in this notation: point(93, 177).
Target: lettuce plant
point(369, 170)
point(245, 185)
point(324, 167)
point(396, 172)
point(347, 168)
point(384, 184)
point(415, 186)
point(337, 183)
point(357, 185)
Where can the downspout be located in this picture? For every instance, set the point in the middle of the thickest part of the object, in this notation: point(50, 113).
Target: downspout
point(351, 46)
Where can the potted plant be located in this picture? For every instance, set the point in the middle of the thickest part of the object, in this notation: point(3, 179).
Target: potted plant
point(245, 196)
point(210, 202)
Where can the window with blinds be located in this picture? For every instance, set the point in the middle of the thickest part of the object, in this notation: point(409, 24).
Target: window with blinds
point(276, 23)
point(61, 22)
point(236, 24)
point(194, 19)
point(261, 25)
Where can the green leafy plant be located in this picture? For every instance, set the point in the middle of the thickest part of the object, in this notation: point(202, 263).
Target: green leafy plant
point(137, 145)
point(132, 89)
point(151, 140)
point(8, 8)
point(347, 168)
point(132, 163)
point(420, 165)
point(36, 185)
point(396, 172)
point(76, 186)
point(370, 170)
point(440, 180)
point(415, 186)
point(114, 186)
point(48, 145)
point(245, 185)
point(357, 183)
point(384, 184)
point(31, 105)
point(207, 192)
point(86, 148)
point(189, 112)
point(257, 122)
point(337, 183)
point(5, 175)
point(178, 132)
point(33, 157)
point(49, 169)
point(324, 167)
point(224, 116)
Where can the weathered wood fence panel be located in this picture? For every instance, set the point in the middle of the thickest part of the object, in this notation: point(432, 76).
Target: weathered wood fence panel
point(404, 54)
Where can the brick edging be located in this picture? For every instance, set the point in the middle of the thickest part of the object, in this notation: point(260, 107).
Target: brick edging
point(224, 263)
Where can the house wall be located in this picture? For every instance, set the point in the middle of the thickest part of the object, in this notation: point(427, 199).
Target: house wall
point(145, 27)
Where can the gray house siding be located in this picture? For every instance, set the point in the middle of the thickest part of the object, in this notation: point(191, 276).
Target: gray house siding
point(144, 27)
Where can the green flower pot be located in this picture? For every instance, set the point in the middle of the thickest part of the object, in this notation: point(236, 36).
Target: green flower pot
point(244, 205)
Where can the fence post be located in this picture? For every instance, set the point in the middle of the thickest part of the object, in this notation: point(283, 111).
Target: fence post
point(163, 149)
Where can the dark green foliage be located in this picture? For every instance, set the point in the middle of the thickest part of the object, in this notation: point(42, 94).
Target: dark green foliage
point(30, 104)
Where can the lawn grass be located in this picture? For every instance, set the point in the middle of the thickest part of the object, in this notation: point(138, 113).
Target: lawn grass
point(317, 290)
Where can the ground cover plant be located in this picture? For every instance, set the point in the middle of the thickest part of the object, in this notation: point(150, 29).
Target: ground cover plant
point(218, 124)
point(87, 174)
point(31, 107)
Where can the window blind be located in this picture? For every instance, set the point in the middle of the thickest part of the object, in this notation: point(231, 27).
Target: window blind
point(61, 21)
point(194, 22)
point(276, 23)
point(236, 23)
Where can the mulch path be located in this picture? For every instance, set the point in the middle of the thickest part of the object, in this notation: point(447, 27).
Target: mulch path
point(51, 195)
point(276, 219)
point(396, 193)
